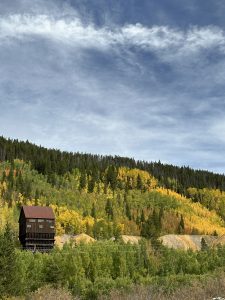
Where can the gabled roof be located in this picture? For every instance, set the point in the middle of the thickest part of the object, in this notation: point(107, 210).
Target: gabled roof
point(38, 212)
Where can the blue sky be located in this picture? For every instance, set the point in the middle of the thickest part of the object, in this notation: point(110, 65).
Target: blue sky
point(144, 79)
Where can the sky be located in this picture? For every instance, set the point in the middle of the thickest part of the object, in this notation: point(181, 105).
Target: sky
point(137, 78)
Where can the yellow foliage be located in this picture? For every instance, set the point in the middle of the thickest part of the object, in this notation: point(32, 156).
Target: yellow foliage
point(148, 181)
point(7, 216)
point(195, 215)
point(89, 221)
point(70, 221)
point(3, 187)
point(121, 227)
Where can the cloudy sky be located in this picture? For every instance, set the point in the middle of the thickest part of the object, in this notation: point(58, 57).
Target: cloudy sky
point(137, 78)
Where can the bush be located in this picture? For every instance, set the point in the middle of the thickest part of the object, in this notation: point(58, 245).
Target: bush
point(49, 293)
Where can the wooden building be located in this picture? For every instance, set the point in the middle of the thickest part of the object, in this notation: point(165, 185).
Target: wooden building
point(37, 228)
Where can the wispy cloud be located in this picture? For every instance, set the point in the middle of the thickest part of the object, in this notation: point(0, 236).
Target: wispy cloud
point(77, 34)
point(147, 91)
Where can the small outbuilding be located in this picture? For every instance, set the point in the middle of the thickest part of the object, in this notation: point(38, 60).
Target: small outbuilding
point(37, 228)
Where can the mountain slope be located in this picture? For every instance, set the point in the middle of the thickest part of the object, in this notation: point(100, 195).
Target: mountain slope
point(135, 205)
point(48, 161)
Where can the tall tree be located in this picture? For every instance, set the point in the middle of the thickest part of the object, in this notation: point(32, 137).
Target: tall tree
point(109, 209)
point(181, 225)
point(139, 182)
point(83, 179)
point(93, 211)
point(8, 282)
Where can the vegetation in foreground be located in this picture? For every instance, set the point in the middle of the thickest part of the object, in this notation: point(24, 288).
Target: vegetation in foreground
point(211, 287)
point(208, 287)
point(106, 197)
point(93, 270)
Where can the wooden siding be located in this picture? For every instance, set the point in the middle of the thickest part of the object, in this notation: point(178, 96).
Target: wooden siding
point(36, 234)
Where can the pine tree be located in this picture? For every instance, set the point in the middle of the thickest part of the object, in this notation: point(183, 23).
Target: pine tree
point(181, 225)
point(139, 182)
point(11, 177)
point(91, 185)
point(4, 177)
point(128, 211)
point(28, 188)
point(93, 211)
point(20, 183)
point(9, 197)
point(83, 180)
point(204, 245)
point(128, 184)
point(111, 177)
point(142, 216)
point(138, 220)
point(85, 213)
point(150, 228)
point(109, 209)
point(8, 282)
point(94, 179)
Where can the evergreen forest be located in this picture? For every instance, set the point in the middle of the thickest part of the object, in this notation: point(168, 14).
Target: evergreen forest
point(106, 197)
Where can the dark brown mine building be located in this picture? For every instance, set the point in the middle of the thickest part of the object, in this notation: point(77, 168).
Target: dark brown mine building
point(37, 228)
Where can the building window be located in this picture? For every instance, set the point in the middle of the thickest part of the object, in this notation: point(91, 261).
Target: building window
point(28, 226)
point(49, 221)
point(40, 220)
point(40, 226)
point(52, 227)
point(32, 220)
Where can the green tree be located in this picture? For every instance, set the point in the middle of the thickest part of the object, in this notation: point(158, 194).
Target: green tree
point(8, 281)
point(83, 180)
point(109, 209)
point(111, 177)
point(128, 211)
point(204, 245)
point(139, 182)
point(181, 225)
point(4, 177)
point(93, 211)
point(142, 216)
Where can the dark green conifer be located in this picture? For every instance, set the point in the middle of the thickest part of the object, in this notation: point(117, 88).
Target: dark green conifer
point(83, 180)
point(8, 282)
point(181, 225)
point(93, 211)
point(139, 183)
point(128, 211)
point(142, 216)
point(204, 245)
point(109, 208)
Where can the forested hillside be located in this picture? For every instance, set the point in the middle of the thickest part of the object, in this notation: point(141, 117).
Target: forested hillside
point(119, 201)
point(126, 193)
point(51, 161)
point(105, 197)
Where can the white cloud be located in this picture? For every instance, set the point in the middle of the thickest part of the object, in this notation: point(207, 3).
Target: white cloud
point(65, 98)
point(77, 34)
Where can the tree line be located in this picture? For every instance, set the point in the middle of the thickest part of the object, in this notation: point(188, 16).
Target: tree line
point(52, 161)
